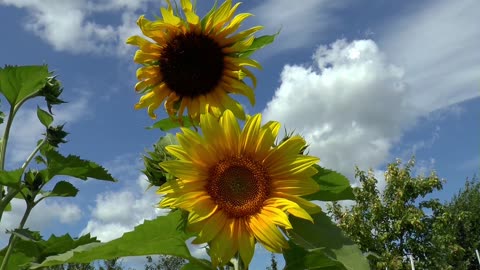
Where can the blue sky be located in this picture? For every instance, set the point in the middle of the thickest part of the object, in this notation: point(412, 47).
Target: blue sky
point(364, 82)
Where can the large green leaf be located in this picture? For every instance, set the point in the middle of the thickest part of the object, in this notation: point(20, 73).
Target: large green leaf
point(18, 83)
point(45, 118)
point(324, 245)
point(30, 248)
point(164, 235)
point(333, 186)
point(11, 178)
point(297, 257)
point(58, 164)
point(169, 123)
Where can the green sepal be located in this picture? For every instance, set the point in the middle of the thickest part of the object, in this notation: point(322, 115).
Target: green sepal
point(45, 118)
point(56, 135)
point(52, 90)
point(18, 83)
point(169, 123)
point(333, 186)
point(156, 176)
point(258, 43)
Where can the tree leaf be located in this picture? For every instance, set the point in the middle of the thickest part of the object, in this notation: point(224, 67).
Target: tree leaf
point(169, 123)
point(58, 164)
point(18, 83)
point(62, 189)
point(333, 186)
point(324, 244)
point(163, 235)
point(11, 178)
point(45, 118)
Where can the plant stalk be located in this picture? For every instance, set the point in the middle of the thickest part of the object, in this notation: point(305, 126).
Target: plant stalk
point(13, 237)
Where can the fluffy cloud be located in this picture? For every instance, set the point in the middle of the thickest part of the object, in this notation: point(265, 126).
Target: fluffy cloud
point(70, 25)
point(350, 105)
point(46, 214)
point(438, 47)
point(117, 212)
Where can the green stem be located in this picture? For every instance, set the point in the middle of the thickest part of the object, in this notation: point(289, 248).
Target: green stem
point(3, 144)
point(13, 237)
point(13, 192)
point(32, 155)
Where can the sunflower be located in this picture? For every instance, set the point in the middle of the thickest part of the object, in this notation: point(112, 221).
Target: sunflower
point(237, 187)
point(194, 63)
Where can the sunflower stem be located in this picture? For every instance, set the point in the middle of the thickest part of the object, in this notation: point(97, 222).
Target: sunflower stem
point(13, 237)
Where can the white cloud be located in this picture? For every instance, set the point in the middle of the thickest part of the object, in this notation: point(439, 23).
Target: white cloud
point(115, 213)
point(438, 47)
point(301, 23)
point(70, 25)
point(351, 105)
point(46, 214)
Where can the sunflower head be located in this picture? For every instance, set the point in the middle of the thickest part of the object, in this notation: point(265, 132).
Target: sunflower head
point(237, 187)
point(194, 64)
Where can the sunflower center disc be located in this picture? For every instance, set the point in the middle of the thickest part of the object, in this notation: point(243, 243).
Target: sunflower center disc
point(239, 186)
point(192, 64)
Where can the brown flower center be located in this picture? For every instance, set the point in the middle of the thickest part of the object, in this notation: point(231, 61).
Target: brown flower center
point(239, 186)
point(192, 64)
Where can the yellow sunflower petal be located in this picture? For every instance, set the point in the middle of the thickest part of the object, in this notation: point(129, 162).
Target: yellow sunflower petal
point(210, 228)
point(246, 243)
point(224, 246)
point(267, 234)
point(250, 133)
point(169, 17)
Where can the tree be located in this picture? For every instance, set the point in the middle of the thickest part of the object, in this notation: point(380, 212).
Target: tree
point(464, 225)
point(165, 262)
point(397, 222)
point(273, 263)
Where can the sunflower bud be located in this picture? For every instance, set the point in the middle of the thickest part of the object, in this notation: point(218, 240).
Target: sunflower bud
point(51, 91)
point(56, 135)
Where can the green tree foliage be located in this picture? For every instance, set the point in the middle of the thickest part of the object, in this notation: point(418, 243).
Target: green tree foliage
point(273, 263)
point(165, 262)
point(399, 221)
point(464, 225)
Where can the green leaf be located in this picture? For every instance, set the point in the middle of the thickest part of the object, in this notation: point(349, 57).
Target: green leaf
point(62, 189)
point(324, 244)
point(299, 258)
point(74, 166)
point(32, 249)
point(45, 118)
point(333, 186)
point(163, 235)
point(18, 83)
point(258, 43)
point(169, 123)
point(11, 178)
